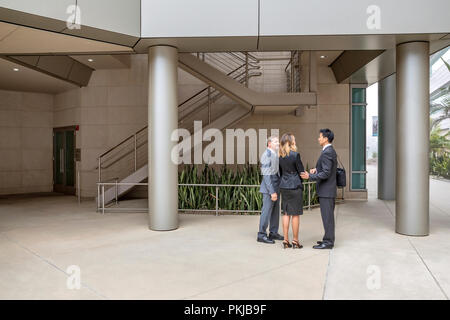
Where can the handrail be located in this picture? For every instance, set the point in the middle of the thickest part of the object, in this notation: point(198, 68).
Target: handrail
point(228, 74)
point(140, 130)
point(220, 61)
point(257, 60)
point(236, 56)
point(123, 141)
point(122, 156)
point(295, 55)
point(249, 65)
point(200, 107)
point(185, 116)
point(234, 77)
point(137, 132)
point(233, 55)
point(244, 62)
point(243, 116)
point(290, 60)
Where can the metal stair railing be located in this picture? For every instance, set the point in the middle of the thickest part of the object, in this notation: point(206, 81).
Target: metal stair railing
point(206, 97)
point(208, 102)
point(131, 153)
point(293, 71)
point(230, 74)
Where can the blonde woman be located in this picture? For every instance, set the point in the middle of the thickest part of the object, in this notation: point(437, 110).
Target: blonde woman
point(291, 188)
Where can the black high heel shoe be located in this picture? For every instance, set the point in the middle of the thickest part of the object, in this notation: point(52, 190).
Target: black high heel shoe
point(286, 244)
point(296, 245)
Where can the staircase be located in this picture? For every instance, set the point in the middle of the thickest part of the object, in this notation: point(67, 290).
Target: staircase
point(227, 75)
point(284, 102)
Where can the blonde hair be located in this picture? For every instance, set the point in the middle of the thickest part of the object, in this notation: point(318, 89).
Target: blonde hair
point(287, 144)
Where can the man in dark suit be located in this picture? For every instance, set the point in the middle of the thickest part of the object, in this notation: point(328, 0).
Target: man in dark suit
point(270, 189)
point(325, 175)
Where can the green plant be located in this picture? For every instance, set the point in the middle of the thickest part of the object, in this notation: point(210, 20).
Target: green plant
point(439, 152)
point(230, 197)
point(439, 108)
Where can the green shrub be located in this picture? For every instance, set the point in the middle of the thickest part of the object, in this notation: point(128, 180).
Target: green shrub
point(440, 164)
point(439, 152)
point(230, 198)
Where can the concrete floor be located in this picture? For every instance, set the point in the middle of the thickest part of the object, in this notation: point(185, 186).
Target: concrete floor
point(208, 257)
point(369, 250)
point(212, 257)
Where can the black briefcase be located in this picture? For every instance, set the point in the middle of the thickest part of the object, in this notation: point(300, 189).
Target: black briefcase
point(341, 179)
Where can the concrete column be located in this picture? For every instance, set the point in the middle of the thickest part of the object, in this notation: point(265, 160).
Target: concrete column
point(386, 138)
point(412, 179)
point(162, 121)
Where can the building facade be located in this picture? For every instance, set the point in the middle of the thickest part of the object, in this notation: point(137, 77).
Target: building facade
point(91, 91)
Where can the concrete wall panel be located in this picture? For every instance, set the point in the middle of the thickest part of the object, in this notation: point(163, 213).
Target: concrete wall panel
point(112, 15)
point(199, 18)
point(25, 142)
point(342, 17)
point(54, 9)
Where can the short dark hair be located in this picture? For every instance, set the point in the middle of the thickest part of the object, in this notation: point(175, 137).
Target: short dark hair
point(327, 133)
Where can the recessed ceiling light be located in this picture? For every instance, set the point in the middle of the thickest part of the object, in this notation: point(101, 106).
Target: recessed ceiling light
point(90, 60)
point(323, 57)
point(15, 69)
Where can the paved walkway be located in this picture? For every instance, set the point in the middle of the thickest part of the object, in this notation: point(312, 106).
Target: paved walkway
point(208, 257)
point(371, 261)
point(212, 257)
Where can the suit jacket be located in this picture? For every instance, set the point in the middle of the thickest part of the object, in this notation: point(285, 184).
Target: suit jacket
point(326, 173)
point(290, 168)
point(270, 182)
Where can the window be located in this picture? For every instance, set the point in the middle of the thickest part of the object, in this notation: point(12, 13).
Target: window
point(358, 137)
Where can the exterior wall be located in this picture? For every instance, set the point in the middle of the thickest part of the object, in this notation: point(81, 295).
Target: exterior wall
point(396, 17)
point(251, 18)
point(167, 18)
point(26, 142)
point(273, 78)
point(118, 16)
point(112, 107)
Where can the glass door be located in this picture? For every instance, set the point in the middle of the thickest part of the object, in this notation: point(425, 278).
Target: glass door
point(64, 160)
point(358, 138)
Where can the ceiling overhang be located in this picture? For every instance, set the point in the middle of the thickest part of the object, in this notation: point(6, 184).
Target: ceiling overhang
point(61, 67)
point(351, 61)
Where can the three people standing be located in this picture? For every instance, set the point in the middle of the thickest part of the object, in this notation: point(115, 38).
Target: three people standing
point(283, 175)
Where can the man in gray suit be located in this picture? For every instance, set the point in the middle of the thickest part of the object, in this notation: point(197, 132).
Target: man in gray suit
point(271, 193)
point(325, 175)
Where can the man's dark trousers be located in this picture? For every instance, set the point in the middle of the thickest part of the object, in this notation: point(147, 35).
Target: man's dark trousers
point(326, 189)
point(327, 213)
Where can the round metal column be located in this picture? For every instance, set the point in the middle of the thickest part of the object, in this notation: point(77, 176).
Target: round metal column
point(162, 121)
point(412, 141)
point(386, 138)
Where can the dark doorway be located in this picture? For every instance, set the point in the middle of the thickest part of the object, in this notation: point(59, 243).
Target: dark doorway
point(64, 160)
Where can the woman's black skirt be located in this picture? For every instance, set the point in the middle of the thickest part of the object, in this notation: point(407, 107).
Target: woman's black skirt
point(292, 201)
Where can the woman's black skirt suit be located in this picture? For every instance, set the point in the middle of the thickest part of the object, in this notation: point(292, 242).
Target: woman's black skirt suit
point(291, 187)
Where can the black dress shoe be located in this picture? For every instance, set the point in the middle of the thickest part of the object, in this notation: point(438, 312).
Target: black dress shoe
point(323, 246)
point(275, 236)
point(319, 242)
point(265, 239)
